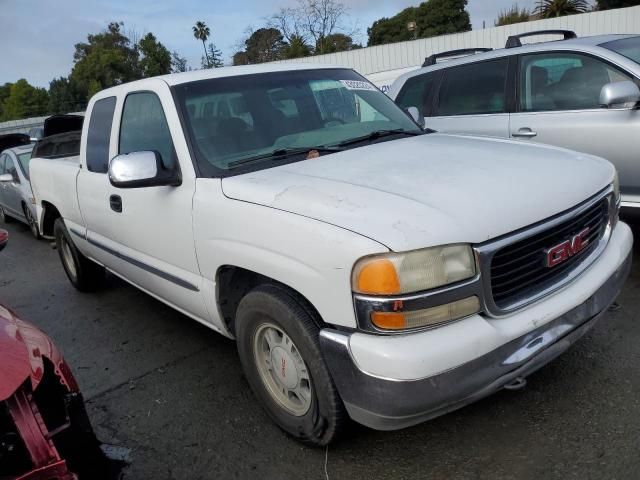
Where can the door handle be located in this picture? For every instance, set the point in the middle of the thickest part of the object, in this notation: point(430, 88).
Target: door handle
point(115, 201)
point(524, 133)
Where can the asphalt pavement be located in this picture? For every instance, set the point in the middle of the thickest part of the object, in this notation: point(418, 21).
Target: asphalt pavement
point(173, 392)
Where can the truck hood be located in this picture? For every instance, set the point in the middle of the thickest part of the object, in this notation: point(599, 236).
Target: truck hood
point(429, 190)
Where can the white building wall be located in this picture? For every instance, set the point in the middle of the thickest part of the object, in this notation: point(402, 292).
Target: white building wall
point(412, 53)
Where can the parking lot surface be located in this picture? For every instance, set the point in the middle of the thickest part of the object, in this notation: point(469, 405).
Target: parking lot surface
point(173, 392)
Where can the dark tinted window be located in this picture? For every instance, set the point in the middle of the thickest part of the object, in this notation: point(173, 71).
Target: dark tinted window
point(415, 92)
point(2, 161)
point(563, 81)
point(144, 127)
point(100, 134)
point(478, 88)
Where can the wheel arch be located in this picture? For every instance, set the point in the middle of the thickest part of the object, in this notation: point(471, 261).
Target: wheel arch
point(233, 283)
point(49, 216)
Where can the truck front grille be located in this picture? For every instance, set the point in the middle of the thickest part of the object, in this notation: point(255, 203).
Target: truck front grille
point(519, 270)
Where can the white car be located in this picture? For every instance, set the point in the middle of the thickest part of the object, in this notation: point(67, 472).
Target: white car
point(16, 197)
point(366, 269)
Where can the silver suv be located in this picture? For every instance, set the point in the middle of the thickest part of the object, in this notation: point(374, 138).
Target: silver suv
point(577, 93)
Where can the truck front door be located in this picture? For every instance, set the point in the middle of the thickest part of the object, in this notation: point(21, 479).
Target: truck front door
point(145, 234)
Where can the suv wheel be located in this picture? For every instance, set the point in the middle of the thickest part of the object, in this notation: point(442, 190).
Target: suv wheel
point(279, 350)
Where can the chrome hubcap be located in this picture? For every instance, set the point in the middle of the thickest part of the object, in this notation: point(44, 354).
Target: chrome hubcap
point(67, 257)
point(282, 369)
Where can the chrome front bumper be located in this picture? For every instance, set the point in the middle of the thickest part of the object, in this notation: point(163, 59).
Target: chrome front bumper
point(389, 404)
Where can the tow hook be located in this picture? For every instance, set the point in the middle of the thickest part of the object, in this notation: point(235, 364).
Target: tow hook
point(517, 383)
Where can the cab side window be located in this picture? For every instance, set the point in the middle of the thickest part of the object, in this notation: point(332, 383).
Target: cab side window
point(563, 81)
point(474, 89)
point(99, 135)
point(2, 162)
point(10, 168)
point(416, 91)
point(144, 127)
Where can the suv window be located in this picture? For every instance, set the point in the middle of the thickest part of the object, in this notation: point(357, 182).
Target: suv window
point(11, 169)
point(144, 127)
point(99, 135)
point(415, 92)
point(563, 81)
point(474, 89)
point(2, 160)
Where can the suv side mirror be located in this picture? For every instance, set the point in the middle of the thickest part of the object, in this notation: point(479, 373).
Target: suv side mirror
point(620, 94)
point(141, 169)
point(415, 115)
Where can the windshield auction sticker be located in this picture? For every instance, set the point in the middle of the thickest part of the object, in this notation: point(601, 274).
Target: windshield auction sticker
point(357, 85)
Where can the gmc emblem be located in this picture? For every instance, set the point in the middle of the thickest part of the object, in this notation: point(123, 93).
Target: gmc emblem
point(567, 249)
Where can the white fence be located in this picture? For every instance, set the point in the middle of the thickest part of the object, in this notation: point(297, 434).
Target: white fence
point(408, 54)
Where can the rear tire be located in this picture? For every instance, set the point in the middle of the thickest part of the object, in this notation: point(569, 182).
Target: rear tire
point(278, 346)
point(33, 223)
point(85, 275)
point(4, 218)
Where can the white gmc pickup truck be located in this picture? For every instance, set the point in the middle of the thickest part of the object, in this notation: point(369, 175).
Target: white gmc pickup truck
point(366, 268)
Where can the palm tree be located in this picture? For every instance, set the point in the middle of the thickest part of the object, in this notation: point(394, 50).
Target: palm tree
point(559, 8)
point(202, 32)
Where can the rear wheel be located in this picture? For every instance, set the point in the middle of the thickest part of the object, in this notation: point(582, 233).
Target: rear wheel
point(4, 218)
point(33, 223)
point(278, 346)
point(84, 274)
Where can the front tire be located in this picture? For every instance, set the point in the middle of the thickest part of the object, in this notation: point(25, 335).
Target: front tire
point(85, 275)
point(278, 346)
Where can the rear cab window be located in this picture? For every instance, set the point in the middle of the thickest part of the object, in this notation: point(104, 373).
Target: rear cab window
point(99, 135)
point(474, 89)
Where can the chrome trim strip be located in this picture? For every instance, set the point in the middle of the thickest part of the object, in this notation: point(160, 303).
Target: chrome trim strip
point(160, 273)
point(486, 251)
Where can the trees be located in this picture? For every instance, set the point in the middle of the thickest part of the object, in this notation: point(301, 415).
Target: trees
point(263, 45)
point(24, 101)
point(560, 8)
point(297, 48)
point(105, 60)
point(64, 96)
point(608, 4)
point(336, 42)
point(201, 32)
point(156, 59)
point(178, 63)
point(433, 17)
point(512, 15)
point(213, 58)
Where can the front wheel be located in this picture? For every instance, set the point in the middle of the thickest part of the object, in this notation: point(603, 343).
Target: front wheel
point(4, 218)
point(280, 354)
point(84, 274)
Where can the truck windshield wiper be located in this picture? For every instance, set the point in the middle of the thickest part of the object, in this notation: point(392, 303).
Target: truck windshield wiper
point(379, 134)
point(279, 153)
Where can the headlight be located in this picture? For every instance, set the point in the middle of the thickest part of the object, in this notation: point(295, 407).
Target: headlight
point(400, 273)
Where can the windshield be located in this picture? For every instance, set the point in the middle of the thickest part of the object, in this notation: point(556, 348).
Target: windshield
point(24, 159)
point(627, 47)
point(240, 123)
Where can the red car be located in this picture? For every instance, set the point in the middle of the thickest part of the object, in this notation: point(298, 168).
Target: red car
point(45, 433)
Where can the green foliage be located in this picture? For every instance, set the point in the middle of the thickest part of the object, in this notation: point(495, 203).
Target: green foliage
point(213, 58)
point(513, 15)
point(107, 59)
point(264, 45)
point(201, 32)
point(560, 8)
point(434, 17)
point(5, 91)
point(64, 96)
point(297, 47)
point(156, 59)
point(24, 101)
point(336, 42)
point(608, 4)
point(178, 63)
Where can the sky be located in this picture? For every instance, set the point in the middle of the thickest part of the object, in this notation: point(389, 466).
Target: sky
point(37, 37)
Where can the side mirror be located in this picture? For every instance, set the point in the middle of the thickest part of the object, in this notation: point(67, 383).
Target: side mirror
point(415, 114)
point(4, 238)
point(141, 169)
point(620, 95)
point(6, 178)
